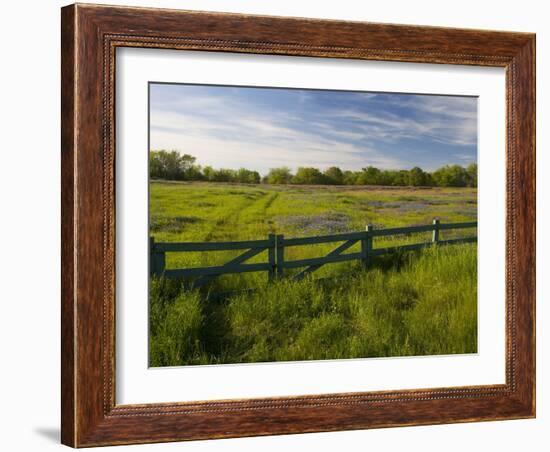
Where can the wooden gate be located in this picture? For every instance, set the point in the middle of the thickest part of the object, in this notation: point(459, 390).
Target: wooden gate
point(275, 246)
point(204, 275)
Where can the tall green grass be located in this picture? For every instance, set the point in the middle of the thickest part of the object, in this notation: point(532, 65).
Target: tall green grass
point(422, 303)
point(210, 212)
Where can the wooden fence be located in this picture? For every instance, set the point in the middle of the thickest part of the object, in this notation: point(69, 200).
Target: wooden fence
point(276, 245)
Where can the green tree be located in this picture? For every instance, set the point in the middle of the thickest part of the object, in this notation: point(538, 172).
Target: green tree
point(401, 178)
point(171, 165)
point(368, 176)
point(306, 175)
point(417, 177)
point(194, 173)
point(334, 175)
point(280, 175)
point(450, 176)
point(224, 175)
point(156, 169)
point(471, 170)
point(387, 177)
point(246, 176)
point(350, 177)
point(208, 173)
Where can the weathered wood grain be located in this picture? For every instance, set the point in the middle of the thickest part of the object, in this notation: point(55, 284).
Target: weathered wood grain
point(68, 244)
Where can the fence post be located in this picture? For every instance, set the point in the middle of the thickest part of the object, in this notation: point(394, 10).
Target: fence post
point(280, 259)
point(271, 273)
point(366, 245)
point(435, 232)
point(152, 271)
point(157, 259)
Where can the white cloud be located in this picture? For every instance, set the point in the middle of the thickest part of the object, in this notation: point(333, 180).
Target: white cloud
point(449, 120)
point(230, 129)
point(257, 144)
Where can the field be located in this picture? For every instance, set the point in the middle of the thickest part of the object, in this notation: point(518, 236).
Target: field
point(410, 304)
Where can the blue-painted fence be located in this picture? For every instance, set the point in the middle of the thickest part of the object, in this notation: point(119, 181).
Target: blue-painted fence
point(275, 245)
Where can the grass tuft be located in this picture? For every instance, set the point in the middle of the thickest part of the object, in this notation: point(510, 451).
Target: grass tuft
point(422, 303)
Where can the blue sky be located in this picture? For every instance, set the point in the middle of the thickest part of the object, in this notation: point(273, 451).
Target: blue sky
point(262, 128)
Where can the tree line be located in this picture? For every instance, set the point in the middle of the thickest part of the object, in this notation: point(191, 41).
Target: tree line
point(171, 165)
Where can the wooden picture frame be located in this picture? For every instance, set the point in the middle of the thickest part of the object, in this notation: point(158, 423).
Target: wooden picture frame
point(90, 36)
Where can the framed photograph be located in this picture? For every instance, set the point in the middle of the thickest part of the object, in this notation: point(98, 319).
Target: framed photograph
point(281, 225)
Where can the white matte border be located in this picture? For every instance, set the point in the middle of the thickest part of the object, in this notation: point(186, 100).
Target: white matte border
point(136, 383)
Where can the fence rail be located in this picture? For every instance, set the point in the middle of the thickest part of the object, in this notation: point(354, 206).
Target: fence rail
point(275, 246)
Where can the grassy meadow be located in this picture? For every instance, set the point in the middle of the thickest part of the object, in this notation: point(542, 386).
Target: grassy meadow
point(420, 303)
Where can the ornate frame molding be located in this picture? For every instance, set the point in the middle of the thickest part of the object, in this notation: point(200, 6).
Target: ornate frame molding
point(90, 37)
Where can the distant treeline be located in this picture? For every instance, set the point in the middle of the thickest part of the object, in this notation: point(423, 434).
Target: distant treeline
point(171, 165)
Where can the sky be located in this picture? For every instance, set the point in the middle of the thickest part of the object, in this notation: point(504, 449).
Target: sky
point(263, 128)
